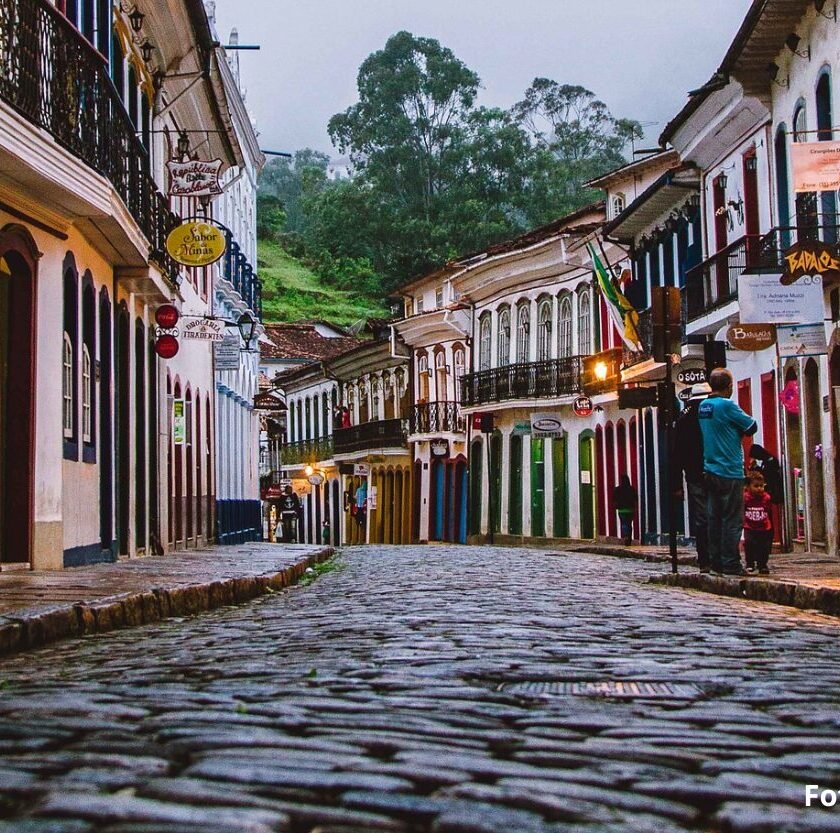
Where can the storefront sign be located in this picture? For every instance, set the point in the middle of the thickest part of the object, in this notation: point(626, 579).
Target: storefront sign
point(751, 337)
point(196, 243)
point(195, 178)
point(361, 469)
point(522, 428)
point(765, 300)
point(439, 448)
point(582, 406)
point(810, 257)
point(546, 425)
point(802, 340)
point(179, 422)
point(816, 166)
point(203, 329)
point(316, 479)
point(226, 352)
point(692, 376)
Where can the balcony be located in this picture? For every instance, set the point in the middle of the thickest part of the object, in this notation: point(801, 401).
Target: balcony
point(631, 357)
point(306, 451)
point(776, 242)
point(538, 380)
point(437, 418)
point(714, 282)
point(237, 271)
point(371, 436)
point(54, 78)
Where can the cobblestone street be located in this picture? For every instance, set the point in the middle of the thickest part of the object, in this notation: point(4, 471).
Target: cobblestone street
point(405, 691)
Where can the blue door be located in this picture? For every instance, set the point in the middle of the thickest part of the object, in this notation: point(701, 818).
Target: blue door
point(438, 492)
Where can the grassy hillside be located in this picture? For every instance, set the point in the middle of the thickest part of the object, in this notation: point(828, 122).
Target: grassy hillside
point(291, 292)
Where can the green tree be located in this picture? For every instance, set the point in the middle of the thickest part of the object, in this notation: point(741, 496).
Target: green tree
point(271, 219)
point(289, 180)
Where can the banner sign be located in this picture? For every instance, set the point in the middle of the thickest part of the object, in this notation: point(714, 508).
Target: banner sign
point(810, 257)
point(802, 340)
point(179, 422)
point(816, 166)
point(546, 425)
point(203, 329)
point(765, 300)
point(196, 243)
point(195, 178)
point(226, 352)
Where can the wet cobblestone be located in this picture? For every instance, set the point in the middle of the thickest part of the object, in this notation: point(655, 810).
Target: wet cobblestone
point(375, 700)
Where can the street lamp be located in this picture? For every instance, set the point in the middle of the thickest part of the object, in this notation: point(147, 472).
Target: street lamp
point(309, 471)
point(246, 325)
point(601, 371)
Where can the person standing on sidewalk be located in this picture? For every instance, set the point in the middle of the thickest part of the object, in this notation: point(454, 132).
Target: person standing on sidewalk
point(724, 425)
point(625, 498)
point(688, 460)
point(758, 529)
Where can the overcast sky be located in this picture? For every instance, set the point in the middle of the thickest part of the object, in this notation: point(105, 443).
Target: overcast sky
point(638, 56)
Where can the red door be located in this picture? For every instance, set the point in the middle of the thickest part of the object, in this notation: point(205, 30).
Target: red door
point(745, 403)
point(751, 219)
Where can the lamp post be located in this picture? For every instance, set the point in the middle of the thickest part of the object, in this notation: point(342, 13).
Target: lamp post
point(246, 325)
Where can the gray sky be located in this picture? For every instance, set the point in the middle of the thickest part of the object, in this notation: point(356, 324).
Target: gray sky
point(639, 56)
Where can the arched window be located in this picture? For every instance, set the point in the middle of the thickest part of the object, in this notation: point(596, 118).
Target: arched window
point(523, 333)
point(782, 200)
point(807, 219)
point(503, 343)
point(617, 203)
point(423, 377)
point(87, 396)
point(825, 120)
point(484, 342)
point(440, 376)
point(544, 331)
point(564, 348)
point(67, 387)
point(584, 324)
point(88, 381)
point(800, 123)
point(459, 361)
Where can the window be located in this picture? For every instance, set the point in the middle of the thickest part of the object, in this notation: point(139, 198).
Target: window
point(420, 305)
point(439, 297)
point(459, 362)
point(617, 203)
point(544, 331)
point(67, 387)
point(87, 396)
point(484, 342)
point(409, 307)
point(564, 348)
point(440, 376)
point(523, 333)
point(503, 344)
point(584, 324)
point(800, 125)
point(423, 373)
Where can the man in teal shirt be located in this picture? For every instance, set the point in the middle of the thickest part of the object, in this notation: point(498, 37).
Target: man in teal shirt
point(724, 425)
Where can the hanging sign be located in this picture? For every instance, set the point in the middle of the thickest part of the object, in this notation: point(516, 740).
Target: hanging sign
point(226, 352)
point(196, 243)
point(692, 376)
point(546, 425)
point(194, 178)
point(582, 406)
point(316, 479)
point(802, 340)
point(179, 422)
point(816, 166)
point(439, 448)
point(361, 469)
point(764, 299)
point(810, 257)
point(751, 337)
point(203, 329)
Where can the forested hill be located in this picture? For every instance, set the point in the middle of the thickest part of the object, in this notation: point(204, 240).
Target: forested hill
point(292, 292)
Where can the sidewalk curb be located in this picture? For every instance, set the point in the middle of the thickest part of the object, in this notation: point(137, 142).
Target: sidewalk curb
point(23, 633)
point(785, 593)
point(619, 551)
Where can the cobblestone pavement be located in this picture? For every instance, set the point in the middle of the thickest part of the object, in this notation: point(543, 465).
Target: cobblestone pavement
point(383, 697)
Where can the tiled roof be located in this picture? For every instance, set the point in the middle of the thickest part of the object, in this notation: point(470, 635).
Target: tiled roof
point(302, 341)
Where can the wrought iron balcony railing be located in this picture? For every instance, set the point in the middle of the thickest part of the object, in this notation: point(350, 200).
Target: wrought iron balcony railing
point(54, 78)
point(437, 417)
point(306, 451)
point(537, 380)
point(774, 244)
point(240, 273)
point(631, 357)
point(371, 436)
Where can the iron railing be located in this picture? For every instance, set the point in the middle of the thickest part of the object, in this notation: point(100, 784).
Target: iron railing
point(774, 244)
point(370, 436)
point(714, 282)
point(536, 380)
point(306, 451)
point(631, 357)
point(238, 271)
point(437, 417)
point(58, 81)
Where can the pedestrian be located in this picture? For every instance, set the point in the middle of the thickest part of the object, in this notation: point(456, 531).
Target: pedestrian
point(758, 529)
point(688, 460)
point(290, 514)
point(763, 461)
point(625, 498)
point(724, 425)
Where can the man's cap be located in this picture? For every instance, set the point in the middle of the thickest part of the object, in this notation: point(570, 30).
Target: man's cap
point(700, 391)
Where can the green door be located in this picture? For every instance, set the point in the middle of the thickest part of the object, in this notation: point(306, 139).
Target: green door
point(587, 488)
point(537, 487)
point(561, 488)
point(475, 487)
point(515, 497)
point(496, 482)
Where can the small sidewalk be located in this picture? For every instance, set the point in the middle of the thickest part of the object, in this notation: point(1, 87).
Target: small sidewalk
point(805, 580)
point(37, 608)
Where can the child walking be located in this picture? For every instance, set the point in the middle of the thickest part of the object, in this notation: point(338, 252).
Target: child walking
point(758, 528)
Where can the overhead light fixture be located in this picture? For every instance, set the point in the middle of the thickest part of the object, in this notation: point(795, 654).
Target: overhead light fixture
point(246, 325)
point(792, 43)
point(146, 50)
point(601, 371)
point(722, 181)
point(183, 145)
point(136, 19)
point(751, 163)
point(819, 5)
point(773, 72)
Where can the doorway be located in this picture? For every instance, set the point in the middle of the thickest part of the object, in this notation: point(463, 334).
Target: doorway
point(586, 457)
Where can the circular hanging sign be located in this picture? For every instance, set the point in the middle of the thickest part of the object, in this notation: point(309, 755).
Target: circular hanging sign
point(166, 316)
point(582, 406)
point(196, 243)
point(751, 336)
point(316, 479)
point(166, 346)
